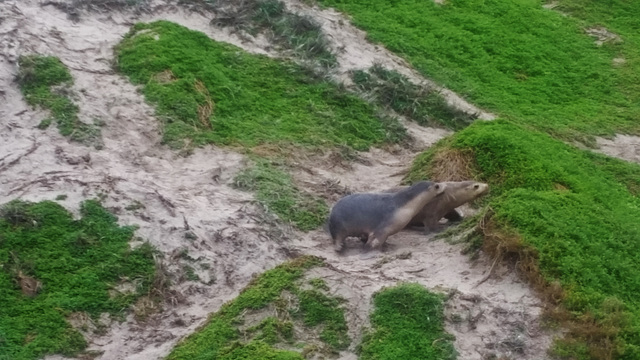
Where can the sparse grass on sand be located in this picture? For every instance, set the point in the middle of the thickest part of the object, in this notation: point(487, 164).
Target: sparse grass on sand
point(275, 190)
point(45, 82)
point(52, 266)
point(425, 106)
point(222, 338)
point(297, 34)
point(570, 218)
point(515, 58)
point(407, 323)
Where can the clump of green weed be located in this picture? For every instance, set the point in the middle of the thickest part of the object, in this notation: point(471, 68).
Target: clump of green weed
point(44, 81)
point(17, 213)
point(210, 92)
point(423, 105)
point(276, 191)
point(220, 338)
point(407, 323)
point(298, 33)
point(52, 265)
point(567, 218)
point(273, 330)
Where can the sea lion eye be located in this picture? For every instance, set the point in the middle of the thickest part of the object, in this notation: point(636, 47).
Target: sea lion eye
point(437, 186)
point(476, 186)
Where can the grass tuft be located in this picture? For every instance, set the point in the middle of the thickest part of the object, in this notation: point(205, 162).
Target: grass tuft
point(301, 35)
point(317, 308)
point(52, 265)
point(45, 81)
point(276, 191)
point(444, 164)
point(425, 106)
point(407, 323)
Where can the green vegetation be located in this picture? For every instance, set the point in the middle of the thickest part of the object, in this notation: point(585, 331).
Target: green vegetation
point(526, 63)
point(408, 323)
point(317, 308)
point(44, 81)
point(221, 338)
point(52, 266)
point(276, 191)
point(210, 92)
point(300, 34)
point(424, 106)
point(574, 209)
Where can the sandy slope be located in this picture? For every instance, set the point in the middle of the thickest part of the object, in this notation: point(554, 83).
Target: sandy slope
point(194, 190)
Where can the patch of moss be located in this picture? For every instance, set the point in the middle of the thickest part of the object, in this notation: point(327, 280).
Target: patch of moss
point(317, 308)
point(210, 92)
point(407, 323)
point(582, 222)
point(76, 263)
point(220, 338)
point(276, 191)
point(44, 82)
point(273, 330)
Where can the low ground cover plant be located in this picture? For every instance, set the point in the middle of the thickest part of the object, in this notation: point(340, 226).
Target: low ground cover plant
point(45, 82)
point(52, 267)
point(569, 219)
point(407, 323)
point(276, 191)
point(224, 337)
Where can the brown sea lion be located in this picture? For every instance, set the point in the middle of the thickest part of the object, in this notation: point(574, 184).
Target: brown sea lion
point(378, 215)
point(456, 193)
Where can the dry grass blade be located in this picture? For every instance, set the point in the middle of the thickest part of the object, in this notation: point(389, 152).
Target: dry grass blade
point(204, 111)
point(164, 77)
point(452, 165)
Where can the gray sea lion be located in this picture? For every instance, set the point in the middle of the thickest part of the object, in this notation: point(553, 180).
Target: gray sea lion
point(376, 216)
point(456, 193)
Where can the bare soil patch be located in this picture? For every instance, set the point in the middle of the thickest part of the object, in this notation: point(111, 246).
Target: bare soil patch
point(625, 147)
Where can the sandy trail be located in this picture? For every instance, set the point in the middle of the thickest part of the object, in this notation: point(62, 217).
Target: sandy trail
point(133, 166)
point(625, 147)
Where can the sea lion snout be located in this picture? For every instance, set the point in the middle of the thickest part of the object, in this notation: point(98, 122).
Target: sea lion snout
point(479, 188)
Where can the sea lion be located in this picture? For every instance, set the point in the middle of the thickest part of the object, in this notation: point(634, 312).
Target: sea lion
point(456, 193)
point(378, 215)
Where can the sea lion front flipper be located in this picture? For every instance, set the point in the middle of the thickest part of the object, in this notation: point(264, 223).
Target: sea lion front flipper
point(453, 216)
